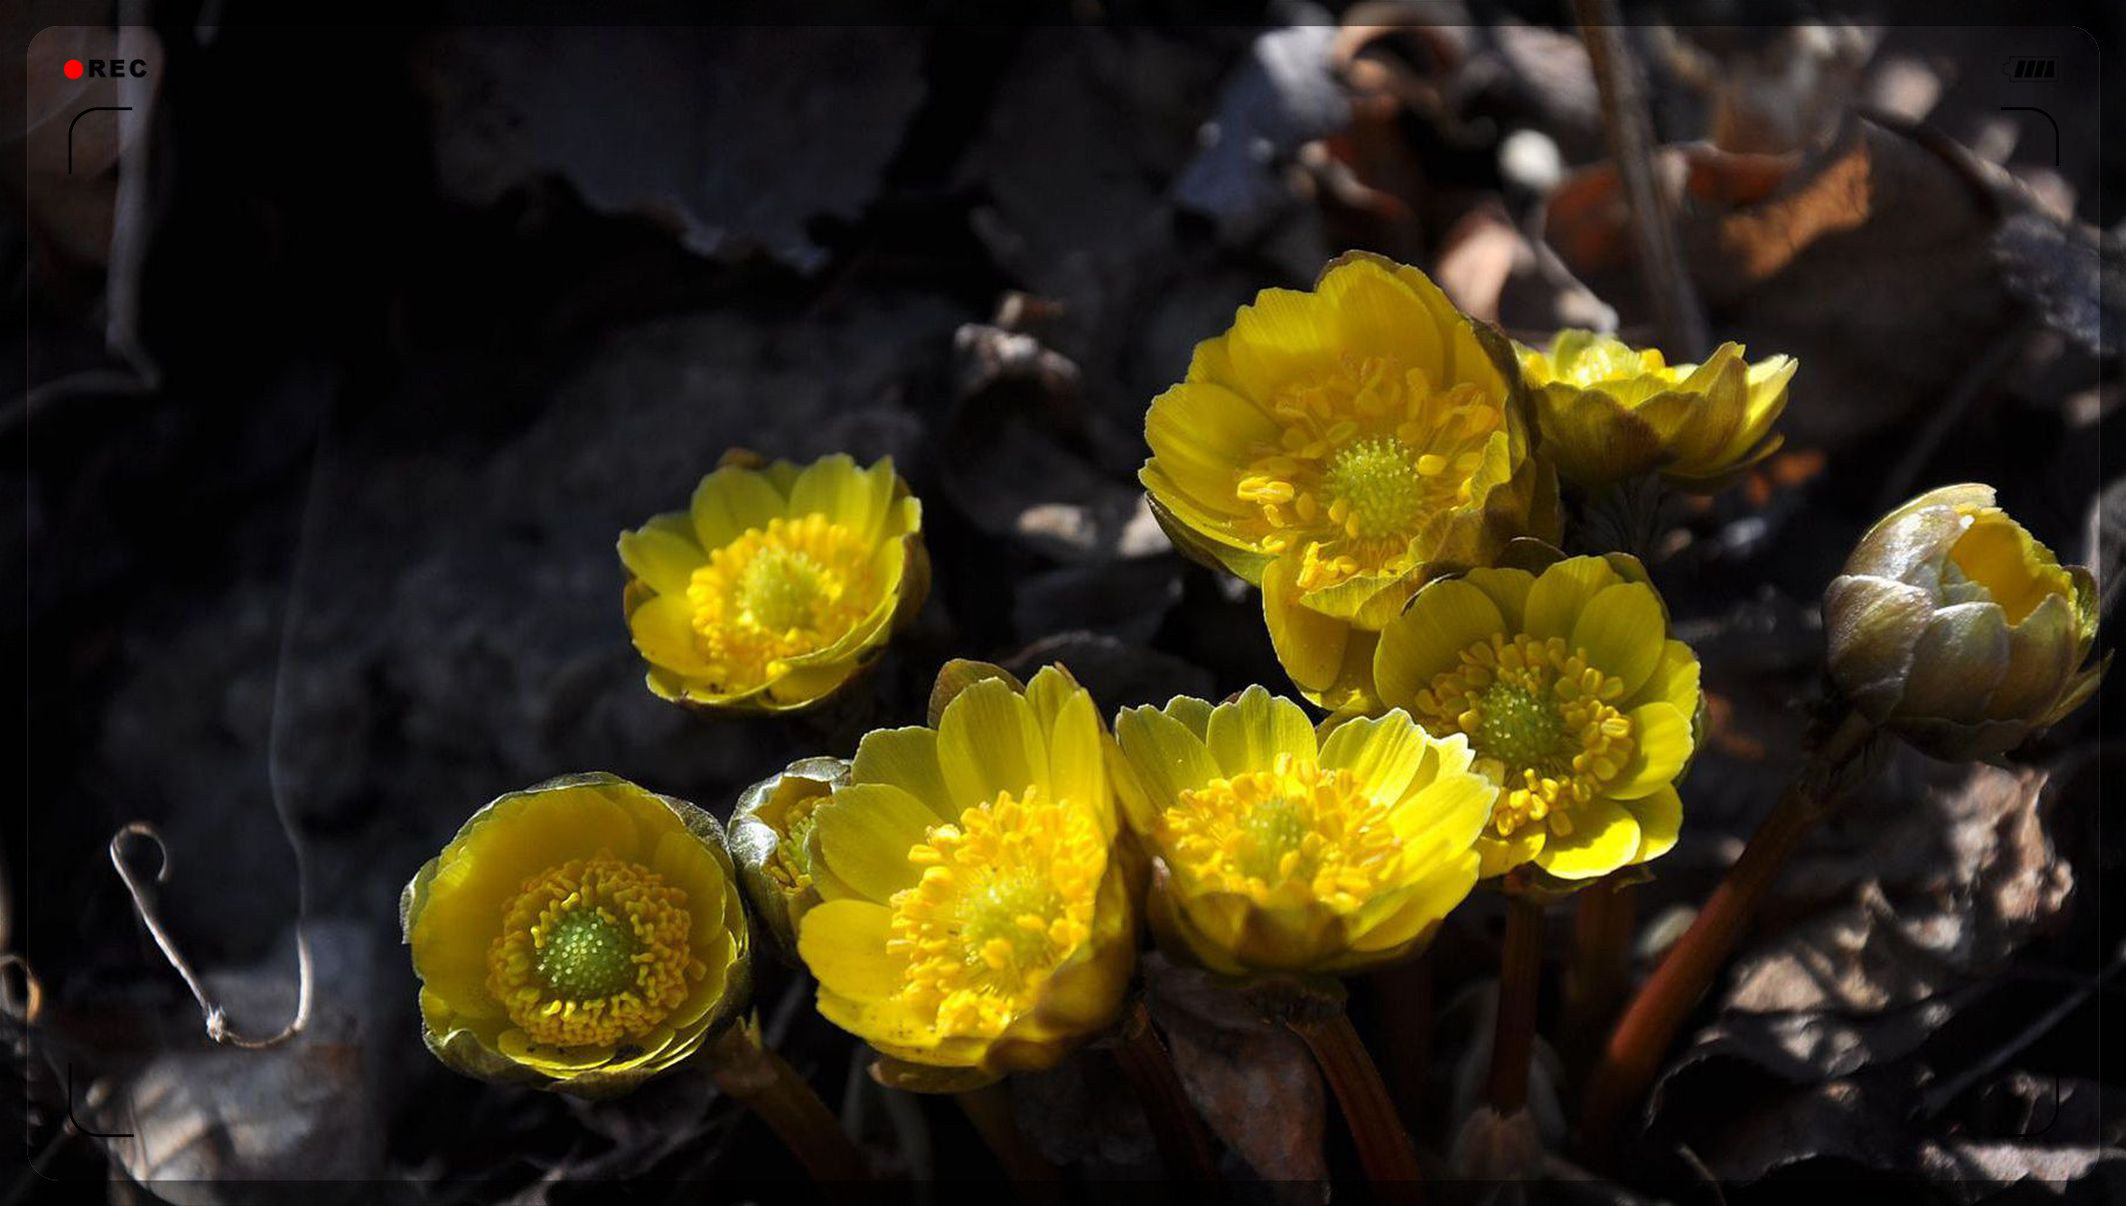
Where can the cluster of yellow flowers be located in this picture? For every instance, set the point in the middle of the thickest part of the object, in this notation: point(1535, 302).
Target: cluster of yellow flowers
point(967, 892)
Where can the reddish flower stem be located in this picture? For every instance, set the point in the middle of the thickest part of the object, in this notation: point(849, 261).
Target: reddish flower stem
point(1402, 995)
point(773, 1090)
point(1649, 1024)
point(1176, 1127)
point(1384, 1147)
point(1520, 980)
point(1603, 923)
point(989, 1109)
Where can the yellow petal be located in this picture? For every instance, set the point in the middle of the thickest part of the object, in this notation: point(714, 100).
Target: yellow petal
point(1248, 734)
point(1426, 640)
point(1193, 713)
point(801, 683)
point(1660, 818)
point(1508, 590)
point(1377, 314)
point(1452, 810)
point(2042, 652)
point(1604, 837)
point(1203, 436)
point(1283, 336)
point(1309, 645)
point(863, 832)
point(1077, 761)
point(1383, 753)
point(1674, 680)
point(663, 632)
point(662, 553)
point(1168, 758)
point(989, 743)
point(908, 759)
point(1623, 631)
point(731, 502)
point(1498, 855)
point(855, 498)
point(1561, 592)
point(843, 942)
point(1594, 439)
point(1663, 742)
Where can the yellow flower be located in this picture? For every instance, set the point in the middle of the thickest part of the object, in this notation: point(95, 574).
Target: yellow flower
point(1334, 447)
point(581, 935)
point(778, 585)
point(1607, 412)
point(1956, 629)
point(1278, 852)
point(1580, 708)
point(770, 826)
point(976, 917)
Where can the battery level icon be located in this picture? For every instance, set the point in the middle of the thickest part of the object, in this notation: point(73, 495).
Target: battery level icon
point(2031, 69)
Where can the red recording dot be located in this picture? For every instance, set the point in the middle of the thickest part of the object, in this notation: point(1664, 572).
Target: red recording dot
point(73, 69)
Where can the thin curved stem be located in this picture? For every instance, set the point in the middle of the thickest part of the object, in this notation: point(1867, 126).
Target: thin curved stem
point(989, 1109)
point(772, 1089)
point(1649, 1024)
point(1384, 1147)
point(1520, 981)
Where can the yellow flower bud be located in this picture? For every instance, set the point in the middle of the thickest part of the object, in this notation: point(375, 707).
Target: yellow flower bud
point(778, 584)
point(1955, 629)
point(769, 830)
point(1607, 411)
point(582, 935)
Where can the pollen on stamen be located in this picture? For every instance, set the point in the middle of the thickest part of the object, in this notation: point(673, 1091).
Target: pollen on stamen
point(1006, 896)
point(1294, 831)
point(1541, 722)
point(1369, 454)
point(779, 592)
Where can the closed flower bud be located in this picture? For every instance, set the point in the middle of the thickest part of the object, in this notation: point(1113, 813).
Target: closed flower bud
point(1955, 629)
point(769, 831)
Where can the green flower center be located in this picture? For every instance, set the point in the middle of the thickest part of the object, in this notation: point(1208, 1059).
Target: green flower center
point(1519, 728)
point(589, 954)
point(1001, 907)
point(780, 588)
point(1379, 480)
point(1276, 825)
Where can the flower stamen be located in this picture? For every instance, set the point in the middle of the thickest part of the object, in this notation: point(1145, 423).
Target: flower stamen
point(1368, 457)
point(792, 588)
point(1006, 896)
point(1287, 835)
point(592, 951)
point(1543, 722)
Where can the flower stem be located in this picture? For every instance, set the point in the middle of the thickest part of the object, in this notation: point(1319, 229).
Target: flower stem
point(1402, 995)
point(1649, 1024)
point(989, 1109)
point(1520, 979)
point(1176, 1127)
point(1384, 1147)
point(767, 1084)
point(1601, 965)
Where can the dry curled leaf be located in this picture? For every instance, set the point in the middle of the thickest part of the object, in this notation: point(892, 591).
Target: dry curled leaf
point(1255, 1083)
